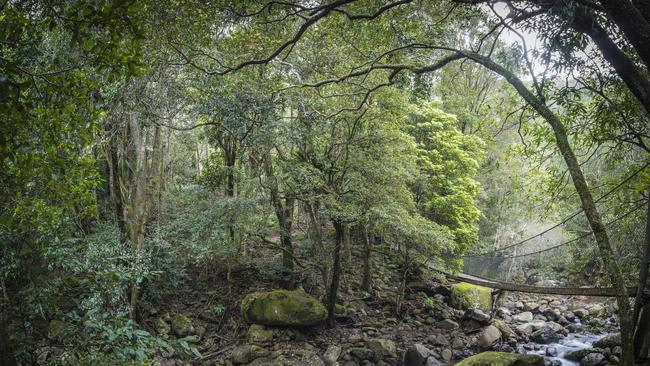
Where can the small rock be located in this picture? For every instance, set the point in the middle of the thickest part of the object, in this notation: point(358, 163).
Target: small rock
point(447, 355)
point(503, 327)
point(477, 314)
point(545, 335)
point(332, 355)
point(361, 353)
point(382, 348)
point(609, 341)
point(447, 324)
point(551, 351)
point(593, 359)
point(182, 325)
point(257, 334)
point(246, 353)
point(581, 313)
point(489, 336)
point(416, 355)
point(524, 317)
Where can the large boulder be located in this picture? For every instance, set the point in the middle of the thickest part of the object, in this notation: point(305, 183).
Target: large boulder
point(282, 307)
point(502, 359)
point(465, 296)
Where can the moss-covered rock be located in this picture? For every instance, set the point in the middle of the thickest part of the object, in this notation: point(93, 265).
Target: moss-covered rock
point(502, 359)
point(282, 307)
point(181, 325)
point(259, 335)
point(466, 296)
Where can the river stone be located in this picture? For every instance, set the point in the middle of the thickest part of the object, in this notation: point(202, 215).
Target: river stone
point(581, 313)
point(502, 359)
point(282, 307)
point(382, 348)
point(477, 314)
point(447, 355)
point(447, 324)
point(489, 336)
point(503, 327)
point(609, 341)
point(416, 355)
point(524, 317)
point(545, 335)
point(362, 353)
point(525, 329)
point(579, 354)
point(593, 359)
point(332, 355)
point(465, 296)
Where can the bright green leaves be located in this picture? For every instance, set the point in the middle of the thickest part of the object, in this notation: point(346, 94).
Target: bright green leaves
point(445, 188)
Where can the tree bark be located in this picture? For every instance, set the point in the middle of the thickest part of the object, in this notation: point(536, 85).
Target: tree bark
point(138, 206)
point(586, 198)
point(284, 214)
point(635, 79)
point(641, 305)
point(336, 274)
point(631, 21)
point(367, 251)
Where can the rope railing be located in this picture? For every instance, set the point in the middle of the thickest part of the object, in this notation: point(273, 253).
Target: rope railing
point(565, 220)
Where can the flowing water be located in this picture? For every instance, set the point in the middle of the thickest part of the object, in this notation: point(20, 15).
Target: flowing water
point(570, 343)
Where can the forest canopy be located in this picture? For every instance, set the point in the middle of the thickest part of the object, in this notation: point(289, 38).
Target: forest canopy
point(152, 151)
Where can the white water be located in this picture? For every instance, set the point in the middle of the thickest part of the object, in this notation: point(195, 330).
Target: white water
point(571, 342)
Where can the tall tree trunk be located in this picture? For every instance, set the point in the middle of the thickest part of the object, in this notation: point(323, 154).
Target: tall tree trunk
point(589, 207)
point(317, 234)
point(115, 179)
point(367, 251)
point(138, 207)
point(154, 177)
point(230, 157)
point(336, 274)
point(641, 304)
point(284, 214)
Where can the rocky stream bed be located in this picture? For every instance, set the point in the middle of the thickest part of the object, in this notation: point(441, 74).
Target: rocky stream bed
point(440, 325)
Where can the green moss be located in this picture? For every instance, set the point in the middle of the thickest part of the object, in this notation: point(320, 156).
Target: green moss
point(465, 296)
point(502, 359)
point(282, 307)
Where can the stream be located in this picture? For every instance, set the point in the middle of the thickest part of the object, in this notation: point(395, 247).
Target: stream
point(571, 342)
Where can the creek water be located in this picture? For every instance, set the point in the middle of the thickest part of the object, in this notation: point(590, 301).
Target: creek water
point(571, 342)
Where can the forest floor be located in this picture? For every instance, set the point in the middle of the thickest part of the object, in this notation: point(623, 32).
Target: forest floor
point(447, 334)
